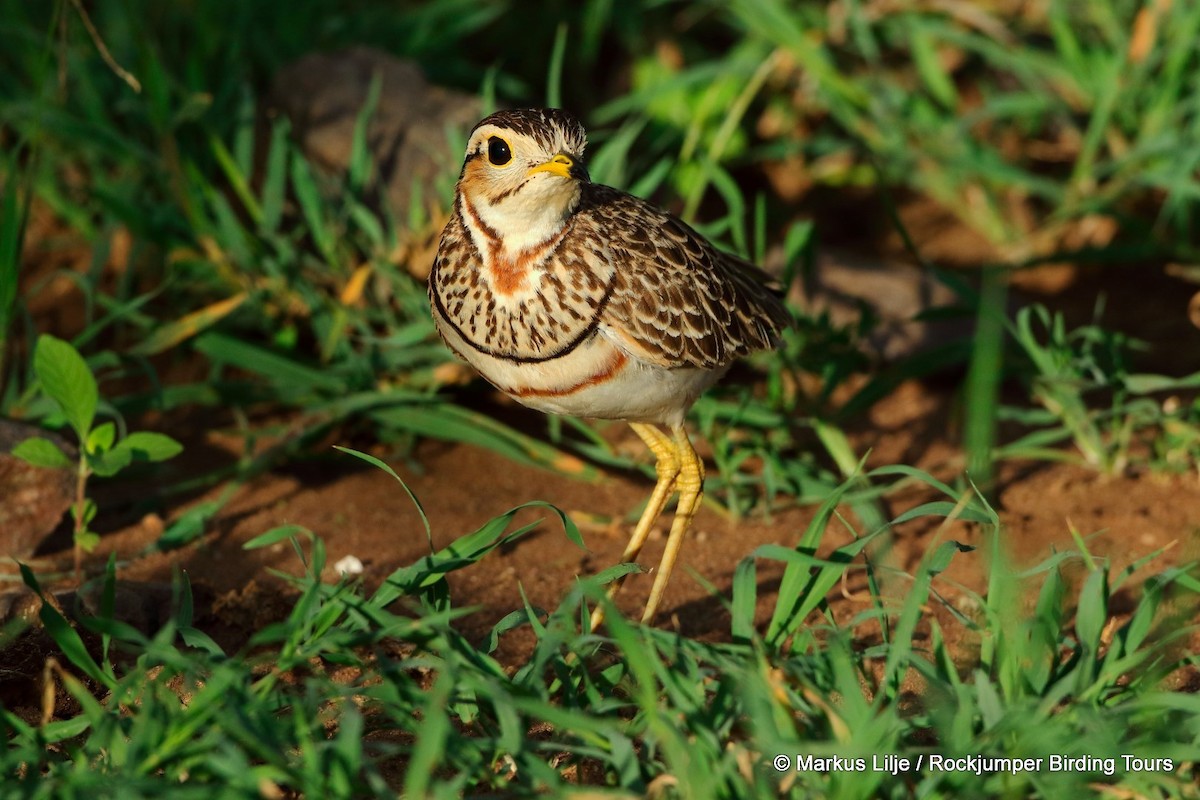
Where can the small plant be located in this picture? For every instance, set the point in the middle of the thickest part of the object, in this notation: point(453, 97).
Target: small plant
point(69, 384)
point(1177, 448)
point(1127, 424)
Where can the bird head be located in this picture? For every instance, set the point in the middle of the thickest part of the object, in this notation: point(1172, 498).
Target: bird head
point(523, 173)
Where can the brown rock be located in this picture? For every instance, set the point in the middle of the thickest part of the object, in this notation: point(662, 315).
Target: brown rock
point(32, 499)
point(323, 93)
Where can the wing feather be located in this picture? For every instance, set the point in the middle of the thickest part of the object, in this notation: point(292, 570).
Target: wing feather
point(676, 300)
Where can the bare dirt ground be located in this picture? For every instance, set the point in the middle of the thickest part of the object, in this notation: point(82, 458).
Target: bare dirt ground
point(361, 511)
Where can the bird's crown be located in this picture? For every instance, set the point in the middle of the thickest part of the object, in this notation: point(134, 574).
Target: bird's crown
point(552, 129)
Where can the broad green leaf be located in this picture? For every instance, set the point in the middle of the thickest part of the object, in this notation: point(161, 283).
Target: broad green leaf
point(67, 380)
point(141, 446)
point(41, 453)
point(150, 446)
point(101, 438)
point(109, 463)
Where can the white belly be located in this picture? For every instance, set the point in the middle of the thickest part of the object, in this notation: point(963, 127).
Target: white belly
point(596, 379)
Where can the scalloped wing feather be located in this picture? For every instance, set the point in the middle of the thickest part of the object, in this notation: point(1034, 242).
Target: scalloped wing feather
point(676, 300)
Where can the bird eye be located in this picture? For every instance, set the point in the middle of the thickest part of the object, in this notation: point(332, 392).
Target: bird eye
point(498, 152)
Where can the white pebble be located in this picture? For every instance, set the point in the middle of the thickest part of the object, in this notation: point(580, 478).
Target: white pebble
point(349, 565)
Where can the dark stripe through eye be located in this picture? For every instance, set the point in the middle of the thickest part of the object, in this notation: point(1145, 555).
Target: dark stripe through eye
point(498, 152)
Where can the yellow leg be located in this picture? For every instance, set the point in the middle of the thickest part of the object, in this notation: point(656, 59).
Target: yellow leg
point(690, 483)
point(667, 467)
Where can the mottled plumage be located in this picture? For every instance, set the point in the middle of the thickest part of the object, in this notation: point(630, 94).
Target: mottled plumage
point(576, 298)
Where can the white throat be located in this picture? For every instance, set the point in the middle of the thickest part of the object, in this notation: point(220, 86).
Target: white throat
point(531, 216)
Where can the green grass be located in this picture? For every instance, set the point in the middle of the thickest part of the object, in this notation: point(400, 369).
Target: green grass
point(414, 706)
point(1115, 418)
point(1067, 134)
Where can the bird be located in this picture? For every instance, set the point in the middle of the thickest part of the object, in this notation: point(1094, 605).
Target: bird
point(575, 298)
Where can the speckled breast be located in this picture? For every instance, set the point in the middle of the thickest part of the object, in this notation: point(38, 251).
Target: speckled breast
point(527, 308)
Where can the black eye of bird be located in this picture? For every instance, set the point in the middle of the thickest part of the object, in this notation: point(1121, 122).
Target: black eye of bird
point(498, 152)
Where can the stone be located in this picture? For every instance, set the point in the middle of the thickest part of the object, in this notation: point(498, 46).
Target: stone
point(322, 94)
point(33, 499)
